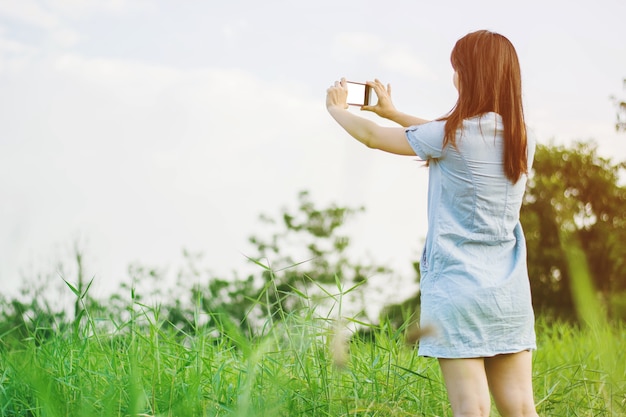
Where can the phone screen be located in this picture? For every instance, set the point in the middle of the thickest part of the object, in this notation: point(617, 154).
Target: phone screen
point(359, 94)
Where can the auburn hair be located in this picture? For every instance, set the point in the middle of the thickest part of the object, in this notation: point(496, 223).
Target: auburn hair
point(489, 80)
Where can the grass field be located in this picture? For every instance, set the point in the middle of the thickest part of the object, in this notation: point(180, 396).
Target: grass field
point(298, 366)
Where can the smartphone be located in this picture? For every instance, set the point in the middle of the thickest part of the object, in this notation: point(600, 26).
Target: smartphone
point(360, 94)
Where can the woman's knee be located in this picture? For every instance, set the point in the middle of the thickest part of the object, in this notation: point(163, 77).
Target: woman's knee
point(480, 412)
point(510, 383)
point(467, 386)
point(518, 410)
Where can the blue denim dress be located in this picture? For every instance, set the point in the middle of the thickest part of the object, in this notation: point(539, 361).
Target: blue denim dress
point(475, 291)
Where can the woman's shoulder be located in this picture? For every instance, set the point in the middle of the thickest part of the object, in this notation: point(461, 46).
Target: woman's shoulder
point(431, 126)
point(427, 139)
point(486, 120)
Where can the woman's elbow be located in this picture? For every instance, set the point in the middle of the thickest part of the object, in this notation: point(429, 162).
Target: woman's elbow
point(370, 144)
point(366, 139)
point(371, 140)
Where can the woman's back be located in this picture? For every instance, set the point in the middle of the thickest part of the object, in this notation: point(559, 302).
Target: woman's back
point(476, 200)
point(474, 262)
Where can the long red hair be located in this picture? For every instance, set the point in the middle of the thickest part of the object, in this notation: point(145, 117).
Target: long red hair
point(489, 80)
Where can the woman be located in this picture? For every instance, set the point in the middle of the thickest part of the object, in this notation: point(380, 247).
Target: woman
point(475, 291)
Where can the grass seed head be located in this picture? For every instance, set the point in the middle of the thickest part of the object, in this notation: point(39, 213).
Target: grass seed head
point(415, 333)
point(340, 346)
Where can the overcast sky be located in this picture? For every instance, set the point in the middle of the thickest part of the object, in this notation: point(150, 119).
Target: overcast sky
point(143, 127)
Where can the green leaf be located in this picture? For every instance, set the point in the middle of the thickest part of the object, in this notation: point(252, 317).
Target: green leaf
point(258, 262)
point(73, 288)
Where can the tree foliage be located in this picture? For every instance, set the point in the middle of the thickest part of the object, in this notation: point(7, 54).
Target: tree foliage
point(620, 107)
point(573, 191)
point(304, 256)
point(301, 258)
point(307, 251)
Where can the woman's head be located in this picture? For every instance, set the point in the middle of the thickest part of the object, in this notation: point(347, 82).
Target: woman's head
point(489, 73)
point(489, 80)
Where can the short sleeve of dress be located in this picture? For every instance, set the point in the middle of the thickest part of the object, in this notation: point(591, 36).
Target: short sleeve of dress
point(427, 139)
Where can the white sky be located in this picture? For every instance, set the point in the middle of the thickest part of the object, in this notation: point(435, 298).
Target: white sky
point(143, 127)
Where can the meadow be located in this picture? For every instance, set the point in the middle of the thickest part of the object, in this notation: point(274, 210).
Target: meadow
point(298, 364)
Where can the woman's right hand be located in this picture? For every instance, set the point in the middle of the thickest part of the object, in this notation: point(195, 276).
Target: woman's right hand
point(337, 95)
point(384, 106)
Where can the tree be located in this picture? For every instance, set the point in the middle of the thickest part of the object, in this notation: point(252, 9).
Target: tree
point(406, 311)
point(222, 300)
point(620, 117)
point(574, 192)
point(308, 252)
point(303, 260)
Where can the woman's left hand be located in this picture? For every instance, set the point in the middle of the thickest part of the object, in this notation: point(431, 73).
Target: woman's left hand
point(337, 95)
point(384, 106)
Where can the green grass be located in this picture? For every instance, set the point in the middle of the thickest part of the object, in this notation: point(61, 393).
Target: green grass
point(139, 368)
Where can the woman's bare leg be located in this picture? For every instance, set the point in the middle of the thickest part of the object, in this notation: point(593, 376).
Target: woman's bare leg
point(510, 382)
point(468, 389)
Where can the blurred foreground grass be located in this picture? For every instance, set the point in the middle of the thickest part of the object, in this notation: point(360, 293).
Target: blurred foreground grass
point(294, 369)
point(300, 365)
